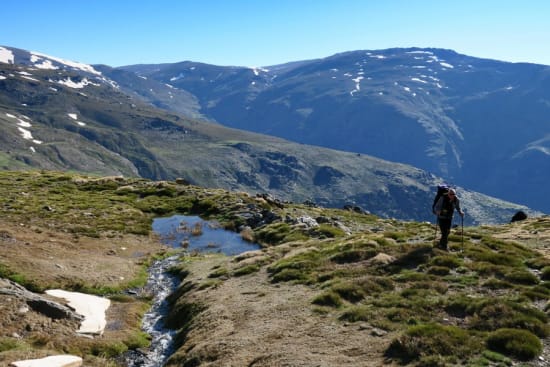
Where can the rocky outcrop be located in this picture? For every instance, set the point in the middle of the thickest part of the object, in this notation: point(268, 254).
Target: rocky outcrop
point(37, 302)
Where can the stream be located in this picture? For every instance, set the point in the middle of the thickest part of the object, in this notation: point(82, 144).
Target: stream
point(193, 234)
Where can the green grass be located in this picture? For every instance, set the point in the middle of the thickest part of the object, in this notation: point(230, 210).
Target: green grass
point(486, 285)
point(428, 340)
point(519, 344)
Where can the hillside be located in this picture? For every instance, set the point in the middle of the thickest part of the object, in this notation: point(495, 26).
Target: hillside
point(328, 287)
point(482, 123)
point(61, 115)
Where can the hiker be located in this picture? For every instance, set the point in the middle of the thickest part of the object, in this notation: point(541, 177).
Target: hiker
point(444, 209)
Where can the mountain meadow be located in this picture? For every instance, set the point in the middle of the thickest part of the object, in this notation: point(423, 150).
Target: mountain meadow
point(328, 287)
point(345, 272)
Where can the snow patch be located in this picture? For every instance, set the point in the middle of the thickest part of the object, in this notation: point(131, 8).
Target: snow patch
point(6, 56)
point(73, 64)
point(42, 63)
point(178, 77)
point(26, 134)
point(357, 85)
point(50, 361)
point(446, 65)
point(76, 85)
point(93, 309)
point(419, 80)
point(256, 70)
point(30, 78)
point(420, 52)
point(74, 116)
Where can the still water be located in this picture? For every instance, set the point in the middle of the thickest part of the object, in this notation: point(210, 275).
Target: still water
point(196, 234)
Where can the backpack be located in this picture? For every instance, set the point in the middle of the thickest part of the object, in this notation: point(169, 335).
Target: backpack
point(441, 190)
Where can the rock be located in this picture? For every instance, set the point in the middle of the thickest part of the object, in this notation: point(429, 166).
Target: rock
point(520, 215)
point(38, 303)
point(182, 181)
point(383, 258)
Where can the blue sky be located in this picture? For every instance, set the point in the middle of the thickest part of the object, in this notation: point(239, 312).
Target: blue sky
point(269, 32)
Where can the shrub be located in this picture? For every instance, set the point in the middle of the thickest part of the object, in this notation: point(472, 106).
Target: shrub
point(521, 277)
point(351, 256)
point(349, 291)
point(248, 269)
point(357, 313)
point(494, 258)
point(520, 344)
point(219, 272)
point(138, 340)
point(8, 344)
point(288, 274)
point(545, 274)
point(330, 298)
point(108, 350)
point(370, 285)
point(431, 340)
point(439, 270)
point(494, 283)
point(325, 230)
point(451, 262)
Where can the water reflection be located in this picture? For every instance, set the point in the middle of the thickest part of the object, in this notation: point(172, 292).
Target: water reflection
point(196, 234)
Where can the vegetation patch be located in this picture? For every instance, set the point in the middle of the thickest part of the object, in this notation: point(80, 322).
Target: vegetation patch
point(426, 340)
point(520, 344)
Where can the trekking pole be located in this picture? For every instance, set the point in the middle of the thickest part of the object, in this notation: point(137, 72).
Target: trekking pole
point(435, 233)
point(462, 220)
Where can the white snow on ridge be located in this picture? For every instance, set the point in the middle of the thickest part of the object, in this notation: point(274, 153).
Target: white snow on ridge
point(446, 65)
point(256, 70)
point(420, 52)
point(73, 64)
point(69, 83)
point(45, 63)
point(6, 56)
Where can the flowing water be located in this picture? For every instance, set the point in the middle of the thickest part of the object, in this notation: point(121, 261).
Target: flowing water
point(194, 234)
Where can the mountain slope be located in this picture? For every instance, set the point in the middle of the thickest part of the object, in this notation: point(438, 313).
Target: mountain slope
point(67, 116)
point(479, 122)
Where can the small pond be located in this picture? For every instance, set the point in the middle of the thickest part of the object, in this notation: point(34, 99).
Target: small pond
point(196, 234)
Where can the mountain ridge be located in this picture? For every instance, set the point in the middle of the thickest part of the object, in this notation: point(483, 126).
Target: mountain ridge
point(457, 116)
point(67, 118)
